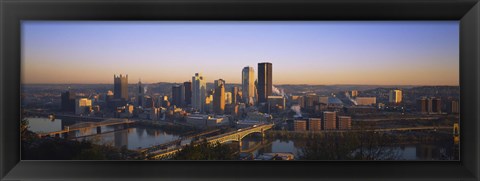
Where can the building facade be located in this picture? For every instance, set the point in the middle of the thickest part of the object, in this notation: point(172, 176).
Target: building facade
point(248, 84)
point(314, 124)
point(199, 92)
point(264, 86)
point(188, 93)
point(344, 122)
point(395, 96)
point(329, 120)
point(365, 101)
point(68, 101)
point(219, 97)
point(178, 95)
point(300, 125)
point(120, 87)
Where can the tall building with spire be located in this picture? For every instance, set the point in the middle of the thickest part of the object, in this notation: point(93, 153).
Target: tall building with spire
point(120, 87)
point(248, 84)
point(264, 86)
point(199, 92)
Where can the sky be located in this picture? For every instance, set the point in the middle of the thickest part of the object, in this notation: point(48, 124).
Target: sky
point(301, 52)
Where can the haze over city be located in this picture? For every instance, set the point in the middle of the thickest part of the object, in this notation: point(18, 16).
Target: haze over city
point(374, 53)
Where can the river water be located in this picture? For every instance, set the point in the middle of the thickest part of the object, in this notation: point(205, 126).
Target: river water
point(138, 137)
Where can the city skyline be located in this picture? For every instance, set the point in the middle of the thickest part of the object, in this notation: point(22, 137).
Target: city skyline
point(66, 52)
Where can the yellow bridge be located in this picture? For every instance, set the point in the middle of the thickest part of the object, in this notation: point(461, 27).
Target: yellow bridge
point(223, 138)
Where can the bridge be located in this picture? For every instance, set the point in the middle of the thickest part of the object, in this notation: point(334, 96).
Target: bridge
point(85, 125)
point(178, 142)
point(223, 138)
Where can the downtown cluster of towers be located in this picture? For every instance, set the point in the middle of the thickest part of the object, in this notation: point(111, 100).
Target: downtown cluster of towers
point(253, 92)
point(195, 94)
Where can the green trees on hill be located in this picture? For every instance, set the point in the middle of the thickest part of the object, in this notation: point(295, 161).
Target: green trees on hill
point(207, 151)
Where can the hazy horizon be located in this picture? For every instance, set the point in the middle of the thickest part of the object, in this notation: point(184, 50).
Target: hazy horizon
point(388, 53)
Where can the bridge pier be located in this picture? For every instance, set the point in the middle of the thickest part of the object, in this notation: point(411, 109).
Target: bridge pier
point(65, 135)
point(99, 130)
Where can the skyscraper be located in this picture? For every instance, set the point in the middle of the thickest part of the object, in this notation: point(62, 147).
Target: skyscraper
point(248, 84)
point(140, 92)
point(395, 96)
point(219, 82)
point(199, 92)
point(234, 94)
point(264, 86)
point(120, 87)
point(228, 98)
point(219, 97)
point(177, 95)
point(188, 92)
point(68, 101)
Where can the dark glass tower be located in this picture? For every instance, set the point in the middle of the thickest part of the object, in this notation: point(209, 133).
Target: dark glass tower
point(120, 87)
point(140, 94)
point(177, 95)
point(188, 92)
point(68, 101)
point(264, 81)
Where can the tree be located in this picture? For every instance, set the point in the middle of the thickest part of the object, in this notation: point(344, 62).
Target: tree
point(206, 151)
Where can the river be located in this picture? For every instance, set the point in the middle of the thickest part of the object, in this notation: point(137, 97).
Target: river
point(135, 138)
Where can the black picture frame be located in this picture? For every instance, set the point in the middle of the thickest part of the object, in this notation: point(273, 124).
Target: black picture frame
point(12, 12)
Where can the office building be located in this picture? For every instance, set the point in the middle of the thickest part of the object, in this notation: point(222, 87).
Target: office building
point(365, 101)
point(323, 99)
point(228, 98)
point(199, 92)
point(395, 96)
point(164, 102)
point(276, 103)
point(68, 101)
point(149, 102)
point(329, 120)
point(453, 107)
point(422, 105)
point(264, 86)
point(300, 125)
point(234, 95)
point(314, 124)
point(311, 100)
point(344, 122)
point(83, 106)
point(178, 95)
point(434, 105)
point(248, 84)
point(354, 93)
point(219, 82)
point(219, 97)
point(187, 86)
point(120, 87)
point(140, 94)
point(298, 100)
